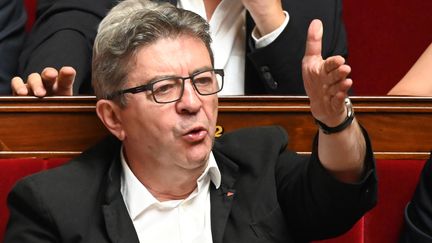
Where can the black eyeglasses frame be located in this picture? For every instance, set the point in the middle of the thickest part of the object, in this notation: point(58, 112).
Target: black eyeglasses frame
point(149, 86)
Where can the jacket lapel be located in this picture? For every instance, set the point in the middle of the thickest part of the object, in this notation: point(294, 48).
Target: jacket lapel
point(118, 224)
point(221, 199)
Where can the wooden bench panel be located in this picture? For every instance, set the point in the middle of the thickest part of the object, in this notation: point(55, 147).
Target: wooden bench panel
point(399, 127)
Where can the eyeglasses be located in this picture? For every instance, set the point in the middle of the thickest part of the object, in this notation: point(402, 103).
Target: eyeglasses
point(170, 89)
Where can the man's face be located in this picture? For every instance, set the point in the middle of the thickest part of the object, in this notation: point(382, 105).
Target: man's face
point(177, 135)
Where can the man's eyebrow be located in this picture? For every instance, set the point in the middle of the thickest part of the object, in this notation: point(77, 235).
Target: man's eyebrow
point(164, 76)
point(201, 69)
point(157, 78)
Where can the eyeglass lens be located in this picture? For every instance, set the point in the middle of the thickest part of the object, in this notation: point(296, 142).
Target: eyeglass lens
point(171, 89)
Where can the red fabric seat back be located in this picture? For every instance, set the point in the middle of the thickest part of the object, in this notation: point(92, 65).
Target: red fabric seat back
point(11, 170)
point(385, 38)
point(397, 180)
point(30, 6)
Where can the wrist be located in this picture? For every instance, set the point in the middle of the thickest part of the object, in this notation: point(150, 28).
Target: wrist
point(267, 22)
point(346, 122)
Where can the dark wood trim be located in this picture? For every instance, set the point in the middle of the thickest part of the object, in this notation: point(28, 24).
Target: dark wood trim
point(399, 127)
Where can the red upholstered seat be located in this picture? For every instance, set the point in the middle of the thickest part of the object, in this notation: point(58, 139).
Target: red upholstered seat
point(385, 38)
point(397, 181)
point(11, 170)
point(30, 6)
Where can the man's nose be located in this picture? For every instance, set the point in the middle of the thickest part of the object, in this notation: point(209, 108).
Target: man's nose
point(190, 102)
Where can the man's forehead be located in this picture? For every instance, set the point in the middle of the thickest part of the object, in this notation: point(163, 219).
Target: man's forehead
point(162, 43)
point(183, 55)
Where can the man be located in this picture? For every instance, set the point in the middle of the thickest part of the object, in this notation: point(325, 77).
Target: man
point(259, 44)
point(163, 178)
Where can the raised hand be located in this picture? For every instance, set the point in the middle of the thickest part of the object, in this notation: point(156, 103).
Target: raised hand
point(325, 81)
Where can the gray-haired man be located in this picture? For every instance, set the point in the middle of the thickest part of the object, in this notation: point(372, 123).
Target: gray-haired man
point(163, 178)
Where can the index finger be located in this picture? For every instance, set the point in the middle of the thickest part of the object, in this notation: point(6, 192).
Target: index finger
point(333, 63)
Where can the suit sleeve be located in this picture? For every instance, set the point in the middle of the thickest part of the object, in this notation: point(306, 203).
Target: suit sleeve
point(418, 213)
point(323, 206)
point(63, 35)
point(12, 33)
point(278, 65)
point(28, 221)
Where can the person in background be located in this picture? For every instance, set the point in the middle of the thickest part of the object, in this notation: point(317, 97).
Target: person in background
point(258, 43)
point(418, 212)
point(12, 33)
point(162, 176)
point(418, 80)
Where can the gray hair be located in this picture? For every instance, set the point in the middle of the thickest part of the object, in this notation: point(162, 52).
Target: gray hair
point(131, 25)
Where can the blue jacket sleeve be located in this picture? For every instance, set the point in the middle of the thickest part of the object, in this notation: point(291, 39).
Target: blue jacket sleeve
point(12, 22)
point(63, 35)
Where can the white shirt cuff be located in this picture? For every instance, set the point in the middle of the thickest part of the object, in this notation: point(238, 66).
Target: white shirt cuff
point(270, 37)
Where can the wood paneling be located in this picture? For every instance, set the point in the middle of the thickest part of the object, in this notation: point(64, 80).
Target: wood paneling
point(399, 127)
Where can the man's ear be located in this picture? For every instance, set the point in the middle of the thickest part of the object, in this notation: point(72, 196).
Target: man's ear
point(109, 113)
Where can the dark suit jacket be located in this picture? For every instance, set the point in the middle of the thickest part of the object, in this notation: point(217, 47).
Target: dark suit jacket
point(65, 31)
point(278, 196)
point(418, 213)
point(12, 22)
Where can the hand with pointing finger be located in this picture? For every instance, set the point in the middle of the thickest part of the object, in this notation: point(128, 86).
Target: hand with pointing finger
point(325, 81)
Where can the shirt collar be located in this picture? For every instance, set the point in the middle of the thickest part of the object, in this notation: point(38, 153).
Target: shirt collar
point(136, 196)
point(213, 171)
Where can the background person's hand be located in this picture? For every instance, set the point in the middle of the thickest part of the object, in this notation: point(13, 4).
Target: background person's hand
point(49, 83)
point(267, 14)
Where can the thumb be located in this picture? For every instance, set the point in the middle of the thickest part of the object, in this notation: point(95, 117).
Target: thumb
point(314, 38)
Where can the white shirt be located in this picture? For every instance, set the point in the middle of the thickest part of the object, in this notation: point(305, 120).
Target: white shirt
point(186, 220)
point(228, 31)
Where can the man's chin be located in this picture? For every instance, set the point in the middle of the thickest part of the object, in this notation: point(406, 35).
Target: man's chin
point(199, 156)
